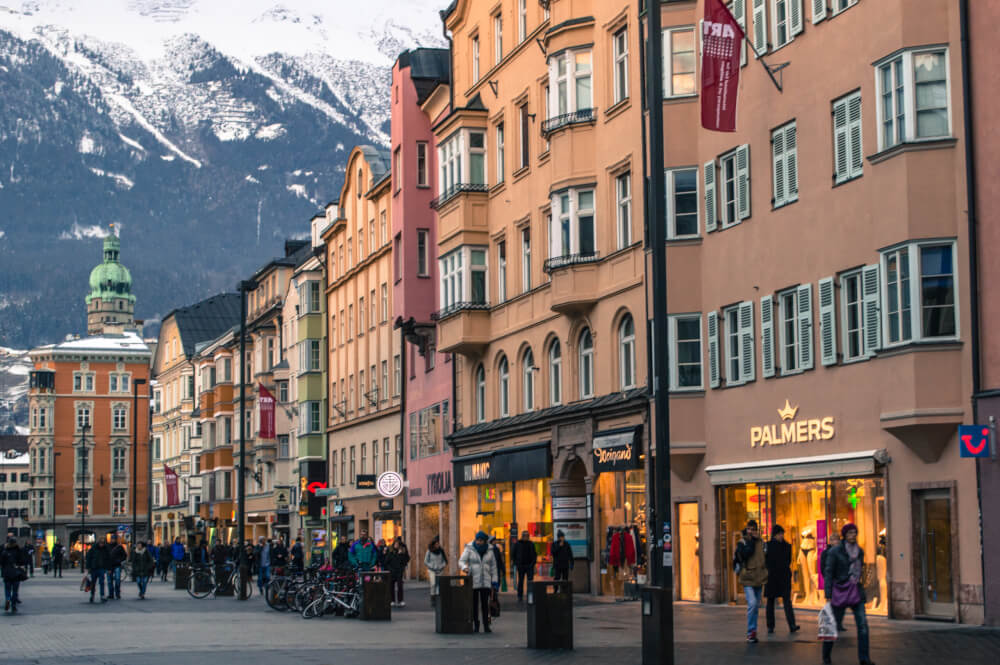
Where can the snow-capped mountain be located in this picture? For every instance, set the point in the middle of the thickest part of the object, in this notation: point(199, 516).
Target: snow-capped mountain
point(208, 129)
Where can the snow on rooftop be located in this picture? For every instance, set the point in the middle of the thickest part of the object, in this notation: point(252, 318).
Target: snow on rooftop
point(20, 459)
point(125, 342)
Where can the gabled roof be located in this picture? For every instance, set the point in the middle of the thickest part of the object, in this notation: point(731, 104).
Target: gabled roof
point(206, 320)
point(429, 68)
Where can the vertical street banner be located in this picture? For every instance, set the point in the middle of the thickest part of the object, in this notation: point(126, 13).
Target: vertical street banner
point(721, 39)
point(170, 481)
point(265, 401)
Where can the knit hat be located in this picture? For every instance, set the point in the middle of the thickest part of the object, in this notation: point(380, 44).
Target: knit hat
point(560, 534)
point(850, 526)
point(778, 529)
point(482, 536)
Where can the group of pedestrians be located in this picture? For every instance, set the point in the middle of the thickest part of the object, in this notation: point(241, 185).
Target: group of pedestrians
point(766, 570)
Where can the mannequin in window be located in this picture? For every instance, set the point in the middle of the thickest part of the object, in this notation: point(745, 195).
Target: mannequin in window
point(807, 565)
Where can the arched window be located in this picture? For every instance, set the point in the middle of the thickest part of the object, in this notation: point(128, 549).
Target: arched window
point(586, 364)
point(626, 353)
point(529, 381)
point(504, 388)
point(555, 373)
point(480, 394)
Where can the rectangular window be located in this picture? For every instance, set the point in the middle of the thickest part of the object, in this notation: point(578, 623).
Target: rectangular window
point(118, 503)
point(385, 302)
point(422, 164)
point(732, 189)
point(361, 316)
point(462, 159)
point(397, 167)
point(923, 308)
point(386, 453)
point(82, 417)
point(501, 170)
point(788, 331)
point(383, 227)
point(620, 48)
point(679, 62)
point(118, 460)
point(525, 135)
point(284, 450)
point(685, 343)
point(682, 203)
point(475, 58)
point(373, 317)
point(732, 344)
point(343, 466)
point(397, 375)
point(372, 246)
point(570, 80)
point(423, 249)
point(847, 147)
point(502, 271)
point(497, 39)
point(785, 170)
point(522, 20)
point(385, 380)
point(571, 232)
point(913, 97)
point(525, 260)
point(463, 278)
point(853, 315)
point(738, 343)
point(112, 383)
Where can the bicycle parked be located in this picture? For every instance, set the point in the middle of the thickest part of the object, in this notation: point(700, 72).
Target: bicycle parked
point(204, 581)
point(341, 595)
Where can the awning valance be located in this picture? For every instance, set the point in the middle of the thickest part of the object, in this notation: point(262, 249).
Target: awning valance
point(841, 465)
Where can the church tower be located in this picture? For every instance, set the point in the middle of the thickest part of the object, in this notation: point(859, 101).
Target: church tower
point(110, 304)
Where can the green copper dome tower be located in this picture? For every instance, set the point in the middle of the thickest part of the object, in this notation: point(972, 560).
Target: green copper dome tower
point(110, 303)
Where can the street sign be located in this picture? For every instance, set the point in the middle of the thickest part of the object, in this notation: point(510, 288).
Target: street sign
point(124, 528)
point(389, 484)
point(974, 440)
point(327, 491)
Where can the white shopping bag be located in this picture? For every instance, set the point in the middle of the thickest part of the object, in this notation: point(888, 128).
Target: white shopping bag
point(827, 624)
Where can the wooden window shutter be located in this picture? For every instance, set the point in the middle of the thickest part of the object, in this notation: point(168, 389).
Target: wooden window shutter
point(872, 309)
point(794, 8)
point(767, 336)
point(743, 182)
point(791, 164)
point(713, 349)
point(778, 159)
point(854, 134)
point(747, 361)
point(841, 171)
point(711, 219)
point(818, 10)
point(759, 27)
point(827, 322)
point(805, 321)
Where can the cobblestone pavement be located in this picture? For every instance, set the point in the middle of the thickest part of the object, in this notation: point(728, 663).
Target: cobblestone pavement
point(57, 625)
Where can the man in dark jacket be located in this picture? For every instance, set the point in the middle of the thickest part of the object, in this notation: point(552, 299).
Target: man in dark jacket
point(523, 557)
point(118, 555)
point(279, 554)
point(12, 560)
point(562, 557)
point(778, 560)
point(842, 569)
point(298, 555)
point(143, 567)
point(97, 562)
point(58, 554)
point(340, 559)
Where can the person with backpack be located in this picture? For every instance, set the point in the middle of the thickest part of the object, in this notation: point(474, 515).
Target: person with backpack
point(751, 570)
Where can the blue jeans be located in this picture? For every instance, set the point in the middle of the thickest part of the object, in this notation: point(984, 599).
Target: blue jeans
point(115, 582)
point(263, 577)
point(143, 582)
point(861, 621)
point(10, 588)
point(97, 577)
point(753, 594)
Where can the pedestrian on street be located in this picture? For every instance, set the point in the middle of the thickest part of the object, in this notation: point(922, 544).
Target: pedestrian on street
point(380, 558)
point(12, 563)
point(118, 556)
point(96, 563)
point(501, 560)
point(477, 561)
point(46, 560)
point(143, 567)
point(562, 557)
point(298, 555)
point(340, 558)
point(244, 559)
point(523, 558)
point(263, 556)
point(842, 586)
point(363, 555)
point(29, 557)
point(397, 558)
point(436, 562)
point(176, 556)
point(752, 574)
point(832, 540)
point(778, 561)
point(279, 555)
point(58, 554)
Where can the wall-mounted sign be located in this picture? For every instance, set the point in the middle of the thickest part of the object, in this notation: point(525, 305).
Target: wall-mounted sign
point(385, 504)
point(974, 440)
point(618, 450)
point(365, 481)
point(439, 483)
point(504, 466)
point(389, 484)
point(791, 430)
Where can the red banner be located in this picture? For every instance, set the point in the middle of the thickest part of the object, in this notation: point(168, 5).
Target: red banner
point(721, 40)
point(170, 480)
point(265, 401)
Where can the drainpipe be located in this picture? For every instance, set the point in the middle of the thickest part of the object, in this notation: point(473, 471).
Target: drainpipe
point(451, 62)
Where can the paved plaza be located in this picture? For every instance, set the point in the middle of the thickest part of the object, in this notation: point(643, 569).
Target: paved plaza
point(58, 625)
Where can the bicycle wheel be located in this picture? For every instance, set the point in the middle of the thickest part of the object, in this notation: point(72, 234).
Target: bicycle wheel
point(235, 581)
point(306, 595)
point(314, 609)
point(274, 594)
point(200, 585)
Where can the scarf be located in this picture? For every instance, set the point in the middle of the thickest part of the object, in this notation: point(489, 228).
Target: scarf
point(854, 552)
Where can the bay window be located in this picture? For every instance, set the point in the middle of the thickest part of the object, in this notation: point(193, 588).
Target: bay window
point(463, 163)
point(571, 227)
point(463, 279)
point(912, 99)
point(919, 301)
point(571, 86)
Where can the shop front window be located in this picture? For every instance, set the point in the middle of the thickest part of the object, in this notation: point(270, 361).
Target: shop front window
point(621, 532)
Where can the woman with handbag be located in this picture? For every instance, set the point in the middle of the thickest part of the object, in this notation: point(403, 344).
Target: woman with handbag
point(842, 576)
point(11, 561)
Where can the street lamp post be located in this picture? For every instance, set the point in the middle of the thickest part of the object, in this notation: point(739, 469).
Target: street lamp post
point(54, 463)
point(244, 286)
point(84, 458)
point(135, 454)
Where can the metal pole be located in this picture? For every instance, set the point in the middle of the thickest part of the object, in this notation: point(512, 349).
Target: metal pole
point(84, 503)
point(658, 624)
point(149, 470)
point(135, 455)
point(244, 286)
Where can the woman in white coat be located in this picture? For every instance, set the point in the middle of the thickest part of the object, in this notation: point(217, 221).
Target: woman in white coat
point(478, 562)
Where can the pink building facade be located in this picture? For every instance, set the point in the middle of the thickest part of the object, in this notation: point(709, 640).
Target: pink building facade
point(426, 375)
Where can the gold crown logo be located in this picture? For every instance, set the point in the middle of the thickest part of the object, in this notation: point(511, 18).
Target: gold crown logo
point(788, 412)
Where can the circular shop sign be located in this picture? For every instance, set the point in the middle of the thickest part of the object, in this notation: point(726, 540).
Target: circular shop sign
point(389, 484)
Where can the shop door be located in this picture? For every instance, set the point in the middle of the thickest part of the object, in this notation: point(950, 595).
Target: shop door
point(688, 549)
point(937, 589)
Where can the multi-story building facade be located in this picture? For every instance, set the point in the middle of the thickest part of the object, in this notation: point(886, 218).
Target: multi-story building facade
point(15, 493)
point(177, 428)
point(420, 93)
point(365, 362)
point(541, 279)
point(89, 418)
point(819, 323)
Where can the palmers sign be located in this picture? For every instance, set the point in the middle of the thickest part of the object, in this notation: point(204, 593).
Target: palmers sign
point(791, 430)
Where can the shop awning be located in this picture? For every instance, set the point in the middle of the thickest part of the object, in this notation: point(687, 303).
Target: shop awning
point(841, 465)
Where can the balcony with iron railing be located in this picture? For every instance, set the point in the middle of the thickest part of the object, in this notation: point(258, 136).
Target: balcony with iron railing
point(580, 117)
point(456, 189)
point(576, 282)
point(463, 327)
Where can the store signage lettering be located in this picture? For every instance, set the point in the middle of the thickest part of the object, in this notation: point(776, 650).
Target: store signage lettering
point(791, 430)
point(616, 451)
point(476, 472)
point(439, 483)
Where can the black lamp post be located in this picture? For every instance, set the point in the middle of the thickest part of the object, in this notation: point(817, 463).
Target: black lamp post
point(54, 463)
point(244, 286)
point(135, 453)
point(84, 503)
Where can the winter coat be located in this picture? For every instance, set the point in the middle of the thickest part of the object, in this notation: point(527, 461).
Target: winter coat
point(396, 561)
point(501, 564)
point(98, 558)
point(436, 562)
point(753, 571)
point(11, 559)
point(58, 552)
point(523, 555)
point(562, 556)
point(340, 558)
point(363, 555)
point(778, 561)
point(264, 556)
point(837, 569)
point(143, 563)
point(177, 552)
point(482, 568)
point(219, 554)
point(118, 556)
point(298, 554)
point(279, 555)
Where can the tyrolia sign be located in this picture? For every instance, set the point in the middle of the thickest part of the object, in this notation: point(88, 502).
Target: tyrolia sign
point(791, 430)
